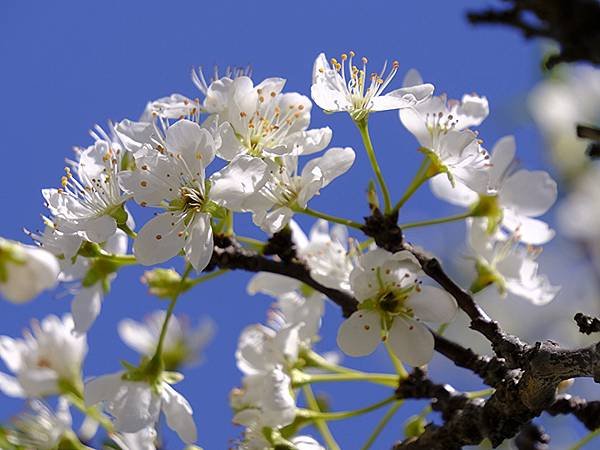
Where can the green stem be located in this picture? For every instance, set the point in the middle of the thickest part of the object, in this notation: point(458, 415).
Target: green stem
point(422, 175)
point(330, 218)
point(203, 278)
point(301, 378)
point(315, 360)
point(128, 231)
point(321, 425)
point(400, 370)
point(344, 414)
point(579, 444)
point(251, 241)
point(425, 223)
point(363, 128)
point(91, 411)
point(122, 260)
point(229, 223)
point(382, 424)
point(163, 332)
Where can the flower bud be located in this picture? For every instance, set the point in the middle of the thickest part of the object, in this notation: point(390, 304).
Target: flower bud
point(164, 283)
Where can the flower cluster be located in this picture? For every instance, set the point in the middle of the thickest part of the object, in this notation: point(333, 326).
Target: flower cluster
point(246, 147)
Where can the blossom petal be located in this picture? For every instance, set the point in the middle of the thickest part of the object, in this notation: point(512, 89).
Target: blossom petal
point(541, 192)
point(178, 413)
point(102, 388)
point(501, 160)
point(243, 176)
point(194, 143)
point(10, 386)
point(199, 245)
point(136, 336)
point(160, 239)
point(335, 162)
point(360, 333)
point(271, 284)
point(529, 231)
point(432, 304)
point(86, 306)
point(459, 194)
point(411, 341)
point(99, 229)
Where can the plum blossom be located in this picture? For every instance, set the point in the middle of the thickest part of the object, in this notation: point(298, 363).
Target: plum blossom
point(441, 127)
point(136, 405)
point(324, 251)
point(145, 439)
point(25, 271)
point(393, 304)
point(337, 88)
point(501, 261)
point(261, 120)
point(181, 346)
point(514, 197)
point(41, 428)
point(90, 198)
point(286, 191)
point(170, 175)
point(48, 354)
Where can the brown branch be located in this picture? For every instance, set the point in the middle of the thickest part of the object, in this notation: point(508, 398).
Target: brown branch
point(587, 412)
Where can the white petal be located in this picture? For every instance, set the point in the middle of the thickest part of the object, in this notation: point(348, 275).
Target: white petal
point(271, 284)
point(10, 386)
point(529, 231)
point(100, 229)
point(199, 245)
point(335, 162)
point(117, 243)
point(160, 239)
point(86, 306)
point(39, 382)
point(178, 413)
point(501, 159)
point(251, 352)
point(194, 143)
point(137, 336)
point(530, 193)
point(459, 194)
point(242, 177)
point(411, 341)
point(432, 304)
point(102, 388)
point(402, 98)
point(11, 351)
point(230, 144)
point(360, 334)
point(312, 141)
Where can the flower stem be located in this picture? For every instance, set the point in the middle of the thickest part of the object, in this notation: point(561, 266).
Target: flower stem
point(128, 231)
point(579, 444)
point(377, 378)
point(363, 128)
point(339, 415)
point(382, 424)
point(91, 411)
point(400, 370)
point(425, 223)
point(330, 218)
point(321, 425)
point(163, 332)
point(203, 278)
point(422, 175)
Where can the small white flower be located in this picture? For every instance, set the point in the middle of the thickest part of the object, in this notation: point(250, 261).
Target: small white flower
point(136, 405)
point(25, 271)
point(520, 195)
point(181, 344)
point(91, 199)
point(393, 304)
point(261, 120)
point(170, 174)
point(306, 443)
point(354, 90)
point(50, 353)
point(42, 428)
point(501, 261)
point(144, 439)
point(273, 206)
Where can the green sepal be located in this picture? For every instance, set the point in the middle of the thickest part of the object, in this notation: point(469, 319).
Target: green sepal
point(414, 427)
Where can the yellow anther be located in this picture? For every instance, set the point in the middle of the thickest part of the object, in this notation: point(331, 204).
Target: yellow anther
point(243, 114)
point(344, 57)
point(364, 60)
point(63, 181)
point(352, 54)
point(395, 64)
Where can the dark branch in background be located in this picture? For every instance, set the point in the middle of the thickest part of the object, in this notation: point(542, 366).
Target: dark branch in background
point(228, 254)
point(592, 133)
point(587, 412)
point(573, 24)
point(532, 437)
point(587, 324)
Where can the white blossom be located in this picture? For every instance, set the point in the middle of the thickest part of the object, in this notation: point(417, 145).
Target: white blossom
point(441, 127)
point(500, 260)
point(25, 271)
point(90, 198)
point(274, 204)
point(136, 405)
point(519, 195)
point(145, 439)
point(336, 87)
point(51, 353)
point(171, 174)
point(393, 304)
point(42, 428)
point(261, 120)
point(182, 345)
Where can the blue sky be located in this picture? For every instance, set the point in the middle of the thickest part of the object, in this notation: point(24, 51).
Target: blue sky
point(69, 65)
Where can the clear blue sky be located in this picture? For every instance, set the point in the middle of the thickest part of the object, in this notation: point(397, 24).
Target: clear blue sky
point(69, 65)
